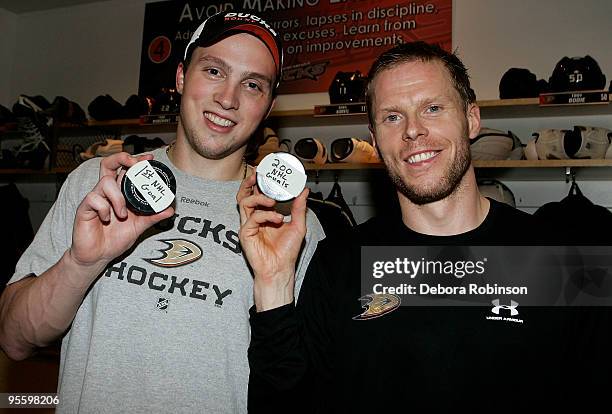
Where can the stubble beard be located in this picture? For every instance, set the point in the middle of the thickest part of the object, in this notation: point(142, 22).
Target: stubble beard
point(198, 142)
point(209, 147)
point(199, 145)
point(455, 171)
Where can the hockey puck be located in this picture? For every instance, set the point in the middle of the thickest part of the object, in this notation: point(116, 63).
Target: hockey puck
point(281, 176)
point(149, 187)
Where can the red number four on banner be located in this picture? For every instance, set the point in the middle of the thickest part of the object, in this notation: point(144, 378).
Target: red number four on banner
point(159, 49)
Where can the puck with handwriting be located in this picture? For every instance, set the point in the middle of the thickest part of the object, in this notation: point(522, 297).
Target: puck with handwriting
point(149, 187)
point(281, 176)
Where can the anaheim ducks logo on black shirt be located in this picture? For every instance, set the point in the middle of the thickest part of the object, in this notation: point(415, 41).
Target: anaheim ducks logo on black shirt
point(377, 305)
point(178, 252)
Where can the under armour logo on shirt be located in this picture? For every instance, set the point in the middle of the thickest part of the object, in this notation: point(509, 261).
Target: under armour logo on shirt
point(512, 307)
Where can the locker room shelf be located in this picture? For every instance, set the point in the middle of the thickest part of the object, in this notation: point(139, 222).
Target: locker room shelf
point(489, 109)
point(507, 108)
point(477, 164)
point(26, 171)
point(530, 108)
point(542, 163)
point(523, 170)
point(498, 108)
point(547, 170)
point(117, 127)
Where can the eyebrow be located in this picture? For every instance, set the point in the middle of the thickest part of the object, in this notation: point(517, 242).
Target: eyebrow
point(392, 108)
point(259, 76)
point(223, 65)
point(214, 60)
point(444, 99)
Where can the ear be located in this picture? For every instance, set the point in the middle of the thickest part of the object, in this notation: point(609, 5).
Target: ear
point(180, 77)
point(473, 118)
point(270, 108)
point(372, 136)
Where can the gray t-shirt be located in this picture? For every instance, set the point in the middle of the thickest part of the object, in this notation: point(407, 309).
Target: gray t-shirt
point(165, 328)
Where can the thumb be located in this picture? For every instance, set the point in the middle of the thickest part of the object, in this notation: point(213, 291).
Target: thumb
point(298, 210)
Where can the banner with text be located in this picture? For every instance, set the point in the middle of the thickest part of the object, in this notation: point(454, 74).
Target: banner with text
point(320, 37)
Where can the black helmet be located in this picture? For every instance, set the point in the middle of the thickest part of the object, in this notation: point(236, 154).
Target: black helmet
point(347, 87)
point(168, 101)
point(520, 83)
point(577, 74)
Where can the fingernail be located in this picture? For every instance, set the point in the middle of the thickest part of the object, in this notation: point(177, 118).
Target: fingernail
point(123, 212)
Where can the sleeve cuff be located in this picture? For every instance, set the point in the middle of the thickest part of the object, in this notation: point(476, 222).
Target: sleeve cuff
point(273, 320)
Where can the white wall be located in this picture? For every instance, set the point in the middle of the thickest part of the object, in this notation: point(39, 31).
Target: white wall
point(8, 43)
point(80, 52)
point(83, 51)
point(86, 50)
point(495, 35)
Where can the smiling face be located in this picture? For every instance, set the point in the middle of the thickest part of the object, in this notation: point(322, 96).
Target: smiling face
point(422, 129)
point(226, 92)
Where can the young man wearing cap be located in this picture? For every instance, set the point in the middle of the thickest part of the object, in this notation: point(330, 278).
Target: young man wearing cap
point(153, 310)
point(336, 350)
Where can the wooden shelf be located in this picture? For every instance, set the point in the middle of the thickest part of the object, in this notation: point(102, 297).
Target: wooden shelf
point(115, 122)
point(343, 166)
point(542, 163)
point(544, 170)
point(119, 127)
point(530, 108)
point(292, 113)
point(499, 108)
point(26, 171)
point(477, 164)
point(93, 123)
point(496, 108)
point(495, 103)
point(513, 164)
point(520, 170)
point(506, 108)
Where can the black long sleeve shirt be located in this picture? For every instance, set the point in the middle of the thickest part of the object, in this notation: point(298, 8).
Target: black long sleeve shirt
point(316, 357)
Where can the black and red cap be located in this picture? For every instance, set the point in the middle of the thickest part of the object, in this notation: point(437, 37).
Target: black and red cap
point(226, 23)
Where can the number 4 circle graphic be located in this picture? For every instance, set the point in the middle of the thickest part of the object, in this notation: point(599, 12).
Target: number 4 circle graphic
point(159, 49)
